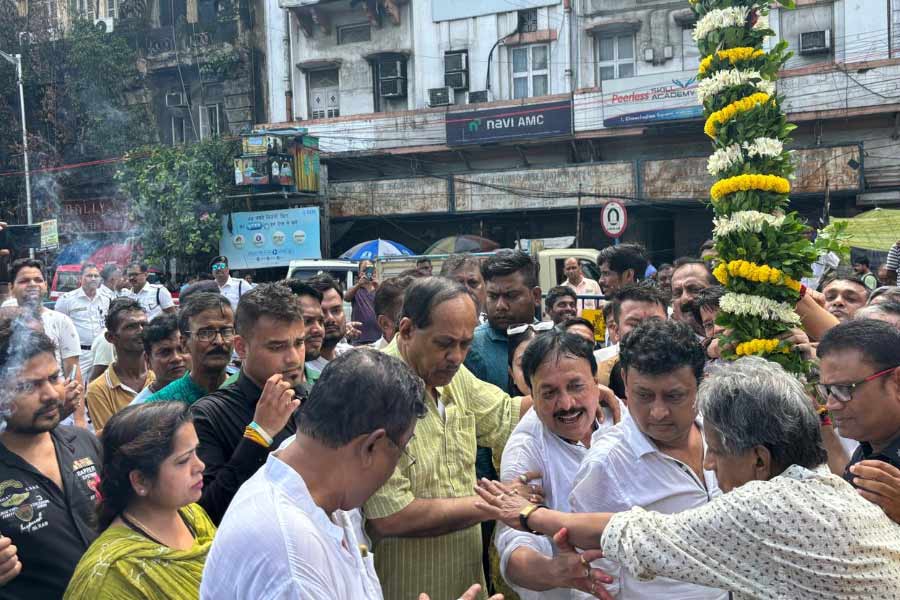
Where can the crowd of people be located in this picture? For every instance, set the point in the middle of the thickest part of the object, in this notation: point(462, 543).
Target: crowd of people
point(458, 435)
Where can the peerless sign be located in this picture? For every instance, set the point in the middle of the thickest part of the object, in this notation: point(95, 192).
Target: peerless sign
point(549, 119)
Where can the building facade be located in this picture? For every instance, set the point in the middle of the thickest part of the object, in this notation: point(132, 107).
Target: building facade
point(519, 120)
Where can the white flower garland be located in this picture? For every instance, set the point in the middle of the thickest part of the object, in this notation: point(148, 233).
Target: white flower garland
point(721, 80)
point(750, 221)
point(729, 156)
point(724, 158)
point(720, 18)
point(763, 146)
point(759, 306)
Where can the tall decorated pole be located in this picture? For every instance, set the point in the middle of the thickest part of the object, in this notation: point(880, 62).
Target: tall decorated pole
point(762, 248)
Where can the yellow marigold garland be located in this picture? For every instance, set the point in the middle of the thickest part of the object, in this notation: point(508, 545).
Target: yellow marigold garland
point(726, 114)
point(742, 183)
point(732, 55)
point(758, 346)
point(754, 272)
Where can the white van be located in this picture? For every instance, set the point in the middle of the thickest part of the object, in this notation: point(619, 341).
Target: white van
point(344, 271)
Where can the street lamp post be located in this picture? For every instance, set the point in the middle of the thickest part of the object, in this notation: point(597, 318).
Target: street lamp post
point(16, 59)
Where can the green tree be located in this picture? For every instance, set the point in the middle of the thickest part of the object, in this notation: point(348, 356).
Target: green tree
point(177, 195)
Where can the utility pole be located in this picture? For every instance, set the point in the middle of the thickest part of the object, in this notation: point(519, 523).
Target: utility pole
point(578, 220)
point(16, 59)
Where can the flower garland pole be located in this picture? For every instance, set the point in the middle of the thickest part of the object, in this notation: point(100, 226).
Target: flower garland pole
point(762, 248)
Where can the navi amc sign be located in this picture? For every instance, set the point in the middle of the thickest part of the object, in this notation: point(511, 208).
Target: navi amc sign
point(523, 122)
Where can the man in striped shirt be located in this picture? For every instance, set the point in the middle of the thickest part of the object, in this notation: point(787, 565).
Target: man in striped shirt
point(423, 520)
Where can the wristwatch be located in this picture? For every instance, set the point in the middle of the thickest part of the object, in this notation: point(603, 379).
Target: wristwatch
point(527, 512)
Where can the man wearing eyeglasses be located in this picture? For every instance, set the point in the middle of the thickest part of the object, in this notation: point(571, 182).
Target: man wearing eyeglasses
point(206, 322)
point(229, 287)
point(860, 379)
point(154, 298)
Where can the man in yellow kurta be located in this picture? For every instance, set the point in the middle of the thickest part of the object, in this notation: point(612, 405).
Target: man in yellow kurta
point(423, 519)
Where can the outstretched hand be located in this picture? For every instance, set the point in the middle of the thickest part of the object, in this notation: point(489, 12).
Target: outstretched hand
point(573, 570)
point(500, 502)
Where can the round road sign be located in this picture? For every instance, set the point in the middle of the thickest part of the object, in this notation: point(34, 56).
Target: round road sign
point(614, 218)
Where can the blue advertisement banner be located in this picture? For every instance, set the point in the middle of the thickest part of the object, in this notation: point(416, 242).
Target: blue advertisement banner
point(271, 238)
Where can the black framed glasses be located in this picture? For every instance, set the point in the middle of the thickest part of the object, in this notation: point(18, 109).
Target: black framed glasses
point(209, 334)
point(843, 392)
point(407, 460)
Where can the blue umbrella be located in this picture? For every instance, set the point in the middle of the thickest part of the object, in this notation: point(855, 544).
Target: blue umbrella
point(373, 248)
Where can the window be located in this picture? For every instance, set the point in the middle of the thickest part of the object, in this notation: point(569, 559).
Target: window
point(690, 54)
point(528, 20)
point(351, 34)
point(615, 56)
point(209, 121)
point(85, 9)
point(324, 96)
point(895, 28)
point(179, 132)
point(530, 70)
point(112, 9)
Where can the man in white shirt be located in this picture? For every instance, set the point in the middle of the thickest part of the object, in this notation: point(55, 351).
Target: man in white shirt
point(309, 544)
point(29, 288)
point(576, 280)
point(229, 287)
point(112, 281)
point(552, 439)
point(655, 459)
point(87, 308)
point(155, 298)
point(784, 528)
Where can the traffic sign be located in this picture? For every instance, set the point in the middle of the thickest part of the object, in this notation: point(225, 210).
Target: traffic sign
point(614, 219)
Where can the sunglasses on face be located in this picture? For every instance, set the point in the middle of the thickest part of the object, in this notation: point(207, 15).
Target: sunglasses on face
point(219, 267)
point(843, 392)
point(536, 327)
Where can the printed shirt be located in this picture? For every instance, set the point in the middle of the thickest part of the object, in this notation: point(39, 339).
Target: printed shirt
point(533, 447)
point(61, 330)
point(625, 469)
point(153, 298)
point(50, 527)
point(183, 389)
point(475, 413)
point(488, 357)
point(234, 289)
point(107, 395)
point(802, 534)
point(88, 314)
point(585, 286)
point(276, 543)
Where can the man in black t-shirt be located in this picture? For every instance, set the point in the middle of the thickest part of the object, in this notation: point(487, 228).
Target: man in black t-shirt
point(48, 472)
point(860, 378)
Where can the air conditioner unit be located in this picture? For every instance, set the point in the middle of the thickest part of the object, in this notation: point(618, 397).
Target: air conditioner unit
point(455, 61)
point(394, 87)
point(442, 96)
point(390, 68)
point(104, 24)
point(815, 42)
point(457, 81)
point(175, 100)
point(477, 97)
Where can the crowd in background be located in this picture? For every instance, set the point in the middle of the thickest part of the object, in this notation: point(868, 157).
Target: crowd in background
point(460, 433)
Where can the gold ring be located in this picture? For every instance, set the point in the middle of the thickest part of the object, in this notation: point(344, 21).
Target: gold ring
point(583, 561)
point(523, 479)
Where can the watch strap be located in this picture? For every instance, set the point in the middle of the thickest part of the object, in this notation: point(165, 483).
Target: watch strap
point(527, 512)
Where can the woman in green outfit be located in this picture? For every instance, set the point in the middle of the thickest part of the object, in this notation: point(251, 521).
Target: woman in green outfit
point(154, 538)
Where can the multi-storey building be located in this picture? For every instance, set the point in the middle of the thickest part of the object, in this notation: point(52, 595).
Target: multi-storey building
point(520, 118)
